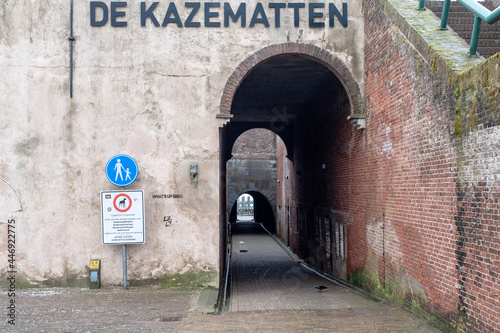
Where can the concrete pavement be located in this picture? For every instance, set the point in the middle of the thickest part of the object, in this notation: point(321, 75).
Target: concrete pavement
point(270, 293)
point(103, 310)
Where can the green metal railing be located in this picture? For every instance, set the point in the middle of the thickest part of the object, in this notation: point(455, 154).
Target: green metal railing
point(481, 14)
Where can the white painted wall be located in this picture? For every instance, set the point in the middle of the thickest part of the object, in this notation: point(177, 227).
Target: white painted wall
point(150, 92)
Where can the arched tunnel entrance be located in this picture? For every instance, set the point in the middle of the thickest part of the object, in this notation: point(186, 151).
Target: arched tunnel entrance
point(262, 212)
point(305, 99)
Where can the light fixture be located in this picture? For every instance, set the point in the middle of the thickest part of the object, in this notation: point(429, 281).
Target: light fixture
point(193, 171)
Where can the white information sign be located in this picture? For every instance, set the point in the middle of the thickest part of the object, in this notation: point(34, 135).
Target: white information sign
point(122, 215)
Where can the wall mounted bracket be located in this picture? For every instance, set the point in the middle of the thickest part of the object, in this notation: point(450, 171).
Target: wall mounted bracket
point(358, 120)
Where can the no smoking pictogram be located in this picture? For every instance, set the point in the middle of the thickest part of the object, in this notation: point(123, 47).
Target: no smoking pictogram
point(124, 204)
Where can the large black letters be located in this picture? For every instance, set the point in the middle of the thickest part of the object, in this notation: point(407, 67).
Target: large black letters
point(176, 19)
point(148, 13)
point(335, 12)
point(241, 12)
point(209, 14)
point(104, 7)
point(115, 14)
point(105, 11)
point(100, 13)
point(189, 21)
point(277, 6)
point(263, 18)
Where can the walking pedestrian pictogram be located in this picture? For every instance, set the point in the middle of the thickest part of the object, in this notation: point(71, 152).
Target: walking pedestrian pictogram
point(118, 168)
point(121, 170)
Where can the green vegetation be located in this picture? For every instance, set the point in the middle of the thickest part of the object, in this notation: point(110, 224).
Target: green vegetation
point(188, 280)
point(406, 294)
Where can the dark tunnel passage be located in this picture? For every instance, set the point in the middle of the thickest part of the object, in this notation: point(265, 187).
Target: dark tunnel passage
point(263, 212)
point(305, 106)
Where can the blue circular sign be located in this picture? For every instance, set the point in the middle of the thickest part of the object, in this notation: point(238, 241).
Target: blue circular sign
point(121, 170)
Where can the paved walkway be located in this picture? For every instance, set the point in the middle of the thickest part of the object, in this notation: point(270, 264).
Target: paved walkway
point(271, 293)
point(265, 277)
point(106, 310)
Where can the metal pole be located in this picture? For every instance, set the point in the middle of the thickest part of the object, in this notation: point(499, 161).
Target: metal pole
point(444, 15)
point(421, 5)
point(124, 252)
point(71, 40)
point(124, 266)
point(475, 36)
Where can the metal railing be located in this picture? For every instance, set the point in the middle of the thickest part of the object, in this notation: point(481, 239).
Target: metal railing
point(481, 14)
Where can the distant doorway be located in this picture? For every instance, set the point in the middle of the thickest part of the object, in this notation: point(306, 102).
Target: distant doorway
point(245, 208)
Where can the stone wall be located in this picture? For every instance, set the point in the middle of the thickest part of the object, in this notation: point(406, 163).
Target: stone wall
point(149, 91)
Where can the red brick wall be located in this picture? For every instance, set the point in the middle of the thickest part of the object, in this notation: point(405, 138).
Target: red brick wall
point(450, 136)
point(416, 193)
point(257, 143)
point(431, 211)
point(412, 156)
point(477, 131)
point(407, 208)
point(283, 193)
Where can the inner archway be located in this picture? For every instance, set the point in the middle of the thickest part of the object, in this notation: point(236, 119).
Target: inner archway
point(252, 172)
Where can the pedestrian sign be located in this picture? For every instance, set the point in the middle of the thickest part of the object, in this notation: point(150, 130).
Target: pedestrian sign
point(121, 170)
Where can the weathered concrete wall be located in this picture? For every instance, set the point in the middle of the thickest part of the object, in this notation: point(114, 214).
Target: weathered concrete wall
point(150, 92)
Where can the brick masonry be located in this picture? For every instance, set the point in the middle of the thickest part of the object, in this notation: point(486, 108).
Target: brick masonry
point(409, 207)
point(320, 55)
point(252, 170)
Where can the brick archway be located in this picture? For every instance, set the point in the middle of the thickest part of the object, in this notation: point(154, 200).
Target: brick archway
point(312, 52)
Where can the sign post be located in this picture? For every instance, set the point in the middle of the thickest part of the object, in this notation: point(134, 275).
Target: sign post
point(124, 265)
point(122, 211)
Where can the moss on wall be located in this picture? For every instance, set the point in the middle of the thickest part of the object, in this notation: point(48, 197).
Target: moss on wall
point(465, 99)
point(189, 280)
point(477, 92)
point(405, 293)
point(71, 280)
point(367, 280)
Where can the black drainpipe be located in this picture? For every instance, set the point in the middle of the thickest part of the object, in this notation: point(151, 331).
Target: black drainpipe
point(71, 40)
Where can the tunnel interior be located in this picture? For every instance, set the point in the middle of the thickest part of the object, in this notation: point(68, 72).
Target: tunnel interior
point(305, 105)
point(262, 212)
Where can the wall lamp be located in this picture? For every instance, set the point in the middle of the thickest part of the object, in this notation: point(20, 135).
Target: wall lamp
point(193, 171)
